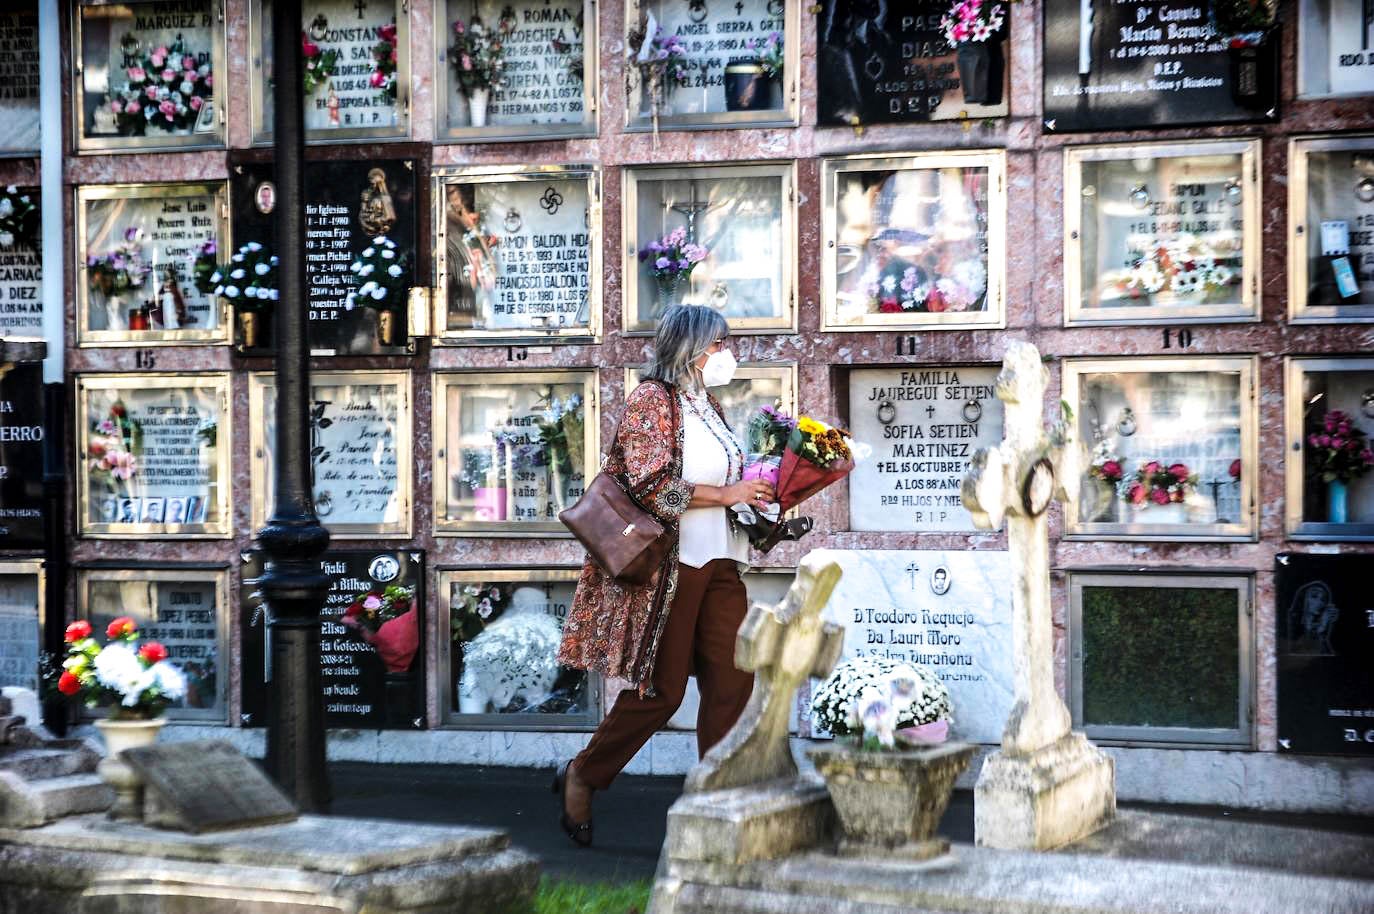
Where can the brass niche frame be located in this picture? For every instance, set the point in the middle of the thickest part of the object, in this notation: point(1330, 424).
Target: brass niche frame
point(450, 718)
point(994, 317)
point(1246, 310)
point(215, 139)
point(1245, 530)
point(155, 574)
point(783, 169)
point(37, 568)
point(1300, 230)
point(218, 191)
point(1314, 31)
point(220, 383)
point(588, 378)
point(445, 133)
point(261, 124)
point(789, 115)
point(262, 383)
point(443, 176)
point(1295, 370)
point(1169, 737)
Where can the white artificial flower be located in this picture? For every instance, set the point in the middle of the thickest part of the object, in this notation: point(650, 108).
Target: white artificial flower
point(254, 247)
point(275, 295)
point(972, 275)
point(274, 260)
point(390, 243)
point(367, 288)
point(237, 258)
point(6, 207)
point(6, 239)
point(389, 254)
point(117, 667)
point(394, 269)
point(237, 274)
point(11, 189)
point(369, 252)
point(174, 62)
point(261, 269)
point(219, 290)
point(355, 266)
point(250, 292)
point(216, 277)
point(204, 69)
point(169, 680)
point(231, 291)
point(380, 239)
point(186, 87)
point(379, 293)
point(349, 300)
point(367, 270)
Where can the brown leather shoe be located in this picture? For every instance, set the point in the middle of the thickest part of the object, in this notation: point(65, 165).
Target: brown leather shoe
point(580, 833)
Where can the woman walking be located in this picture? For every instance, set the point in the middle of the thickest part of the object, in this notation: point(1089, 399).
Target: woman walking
point(684, 464)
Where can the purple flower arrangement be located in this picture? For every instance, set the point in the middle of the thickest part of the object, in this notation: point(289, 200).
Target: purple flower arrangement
point(672, 255)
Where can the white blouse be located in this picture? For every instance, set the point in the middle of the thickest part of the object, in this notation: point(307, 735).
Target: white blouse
point(711, 455)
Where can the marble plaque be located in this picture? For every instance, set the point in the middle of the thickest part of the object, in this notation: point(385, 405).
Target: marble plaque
point(206, 785)
point(924, 425)
point(22, 428)
point(20, 635)
point(21, 290)
point(947, 611)
point(19, 131)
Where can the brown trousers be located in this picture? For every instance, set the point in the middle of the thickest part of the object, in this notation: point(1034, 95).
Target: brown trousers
point(699, 638)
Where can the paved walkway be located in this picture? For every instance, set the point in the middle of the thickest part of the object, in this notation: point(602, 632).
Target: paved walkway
point(630, 818)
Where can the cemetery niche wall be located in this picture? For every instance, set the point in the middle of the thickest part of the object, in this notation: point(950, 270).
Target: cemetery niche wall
point(361, 256)
point(145, 74)
point(1330, 417)
point(185, 609)
point(19, 119)
point(515, 257)
point(914, 242)
point(499, 667)
point(153, 456)
point(1162, 233)
point(1331, 229)
point(897, 64)
point(508, 71)
point(372, 652)
point(360, 428)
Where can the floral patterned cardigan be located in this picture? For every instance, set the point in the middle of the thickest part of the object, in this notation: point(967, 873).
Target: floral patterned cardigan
point(614, 628)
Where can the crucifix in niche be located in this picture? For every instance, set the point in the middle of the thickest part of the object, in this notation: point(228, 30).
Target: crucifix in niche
point(692, 209)
point(360, 6)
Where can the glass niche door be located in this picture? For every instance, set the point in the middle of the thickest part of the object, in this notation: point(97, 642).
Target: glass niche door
point(515, 254)
point(185, 609)
point(500, 659)
point(914, 242)
point(20, 120)
point(514, 451)
point(755, 386)
point(1330, 434)
point(721, 236)
point(1331, 229)
point(512, 71)
point(355, 69)
point(22, 617)
point(146, 253)
point(1158, 233)
point(1173, 451)
point(146, 75)
point(360, 440)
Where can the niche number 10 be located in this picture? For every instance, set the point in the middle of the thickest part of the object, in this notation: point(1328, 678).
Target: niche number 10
point(1181, 339)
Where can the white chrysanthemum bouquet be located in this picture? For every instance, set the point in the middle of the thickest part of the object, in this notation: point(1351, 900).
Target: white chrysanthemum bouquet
point(881, 702)
point(249, 279)
point(382, 276)
point(136, 681)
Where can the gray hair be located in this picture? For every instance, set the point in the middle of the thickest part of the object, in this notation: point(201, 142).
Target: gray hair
point(684, 333)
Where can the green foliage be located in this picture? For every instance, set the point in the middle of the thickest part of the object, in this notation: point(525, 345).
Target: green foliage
point(1160, 657)
point(565, 897)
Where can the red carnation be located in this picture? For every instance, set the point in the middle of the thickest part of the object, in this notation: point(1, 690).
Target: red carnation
point(1111, 470)
point(121, 628)
point(1179, 471)
point(95, 450)
point(889, 306)
point(68, 684)
point(1235, 468)
point(388, 33)
point(1159, 496)
point(308, 47)
point(78, 630)
point(935, 301)
point(117, 410)
point(1136, 494)
point(152, 652)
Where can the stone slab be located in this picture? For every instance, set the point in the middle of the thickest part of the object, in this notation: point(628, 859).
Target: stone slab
point(749, 823)
point(1054, 796)
point(205, 786)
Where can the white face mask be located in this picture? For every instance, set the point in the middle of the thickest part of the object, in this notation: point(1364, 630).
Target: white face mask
point(719, 369)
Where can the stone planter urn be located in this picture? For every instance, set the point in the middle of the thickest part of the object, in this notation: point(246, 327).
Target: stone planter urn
point(981, 67)
point(113, 770)
point(890, 803)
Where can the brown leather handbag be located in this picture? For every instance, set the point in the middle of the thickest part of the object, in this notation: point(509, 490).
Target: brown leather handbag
point(621, 536)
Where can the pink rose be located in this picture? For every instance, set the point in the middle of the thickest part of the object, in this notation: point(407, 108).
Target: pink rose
point(372, 602)
point(116, 106)
point(466, 62)
point(137, 74)
point(151, 92)
point(1179, 472)
point(393, 55)
point(1324, 440)
point(1235, 468)
point(309, 48)
point(378, 79)
point(157, 60)
point(1152, 468)
point(196, 102)
point(169, 75)
point(1111, 470)
point(1159, 496)
point(188, 62)
point(210, 80)
point(133, 107)
point(168, 107)
point(1136, 494)
point(458, 27)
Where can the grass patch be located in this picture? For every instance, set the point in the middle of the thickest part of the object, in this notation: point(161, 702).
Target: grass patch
point(562, 896)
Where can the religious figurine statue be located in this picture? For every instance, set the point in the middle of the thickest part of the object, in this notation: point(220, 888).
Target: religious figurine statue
point(103, 121)
point(472, 263)
point(377, 214)
point(332, 103)
point(168, 311)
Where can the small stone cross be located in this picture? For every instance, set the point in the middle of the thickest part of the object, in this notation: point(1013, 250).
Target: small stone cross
point(1018, 479)
point(784, 646)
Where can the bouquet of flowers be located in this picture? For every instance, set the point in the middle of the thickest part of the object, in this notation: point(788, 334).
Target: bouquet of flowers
point(972, 20)
point(672, 256)
point(768, 53)
point(1156, 483)
point(1339, 451)
point(887, 294)
point(249, 280)
point(1183, 265)
point(203, 267)
point(659, 60)
point(575, 64)
point(384, 277)
point(1106, 464)
point(474, 605)
point(318, 64)
point(1246, 22)
point(384, 63)
point(479, 56)
point(561, 432)
point(387, 621)
point(136, 680)
point(111, 447)
point(19, 219)
point(880, 702)
point(165, 89)
point(122, 268)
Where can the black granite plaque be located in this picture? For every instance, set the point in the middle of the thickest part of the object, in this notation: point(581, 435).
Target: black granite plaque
point(890, 63)
point(348, 205)
point(204, 786)
point(359, 691)
point(1112, 65)
point(21, 455)
point(1324, 641)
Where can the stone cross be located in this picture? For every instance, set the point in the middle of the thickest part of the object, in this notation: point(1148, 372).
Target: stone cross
point(1018, 479)
point(784, 646)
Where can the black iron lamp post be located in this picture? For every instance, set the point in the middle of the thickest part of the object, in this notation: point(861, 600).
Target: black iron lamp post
point(293, 585)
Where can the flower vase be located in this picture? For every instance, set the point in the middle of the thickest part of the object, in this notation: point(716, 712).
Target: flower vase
point(1253, 70)
point(747, 87)
point(113, 770)
point(671, 287)
point(558, 486)
point(386, 327)
point(490, 503)
point(1336, 502)
point(980, 71)
point(477, 107)
point(248, 329)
